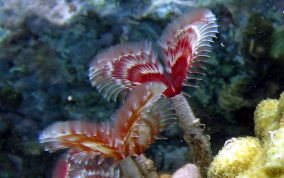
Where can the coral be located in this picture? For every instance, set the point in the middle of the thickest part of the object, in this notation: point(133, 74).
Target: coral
point(274, 154)
point(280, 110)
point(265, 117)
point(236, 156)
point(260, 157)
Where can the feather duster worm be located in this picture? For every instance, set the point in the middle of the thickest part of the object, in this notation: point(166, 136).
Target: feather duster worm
point(133, 66)
point(139, 122)
point(97, 167)
point(125, 66)
point(136, 125)
point(184, 44)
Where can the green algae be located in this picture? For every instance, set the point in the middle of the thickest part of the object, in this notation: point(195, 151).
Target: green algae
point(10, 97)
point(277, 49)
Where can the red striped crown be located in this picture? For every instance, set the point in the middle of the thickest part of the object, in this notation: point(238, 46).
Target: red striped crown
point(94, 149)
point(136, 125)
point(184, 46)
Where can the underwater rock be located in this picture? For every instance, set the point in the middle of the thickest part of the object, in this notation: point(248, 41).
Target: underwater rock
point(32, 148)
point(188, 171)
point(10, 97)
point(60, 12)
point(4, 126)
point(4, 33)
point(17, 163)
point(257, 40)
point(168, 157)
point(162, 9)
point(231, 96)
point(277, 49)
point(14, 12)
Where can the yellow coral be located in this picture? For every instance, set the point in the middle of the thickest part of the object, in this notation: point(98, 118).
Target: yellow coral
point(280, 112)
point(265, 117)
point(237, 160)
point(274, 157)
point(237, 156)
point(254, 172)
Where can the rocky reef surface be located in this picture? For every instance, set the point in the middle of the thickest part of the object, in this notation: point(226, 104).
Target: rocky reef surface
point(46, 47)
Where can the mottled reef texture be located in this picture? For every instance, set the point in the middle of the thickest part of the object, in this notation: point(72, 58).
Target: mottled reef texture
point(44, 59)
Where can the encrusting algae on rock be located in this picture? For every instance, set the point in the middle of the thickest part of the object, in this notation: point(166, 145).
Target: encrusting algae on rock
point(255, 157)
